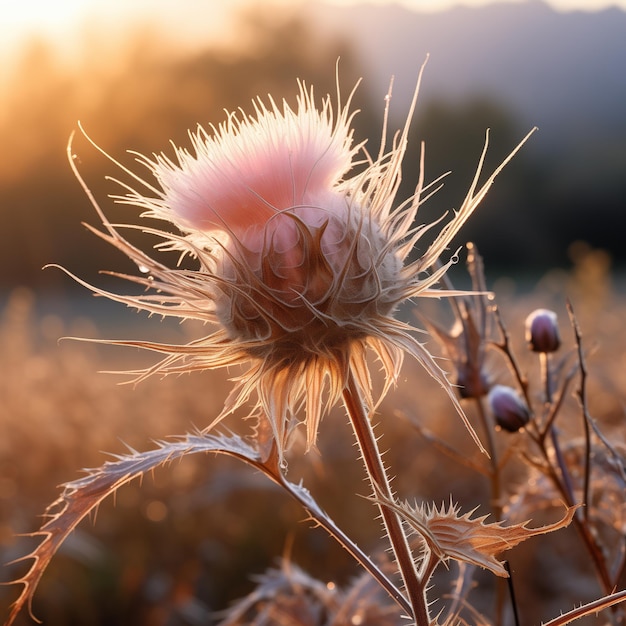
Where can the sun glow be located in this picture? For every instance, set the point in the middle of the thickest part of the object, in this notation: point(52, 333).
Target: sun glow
point(23, 19)
point(63, 22)
point(39, 17)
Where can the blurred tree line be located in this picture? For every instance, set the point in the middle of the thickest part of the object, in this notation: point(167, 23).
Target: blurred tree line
point(141, 99)
point(149, 93)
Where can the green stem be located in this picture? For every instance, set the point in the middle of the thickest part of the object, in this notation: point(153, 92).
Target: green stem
point(380, 485)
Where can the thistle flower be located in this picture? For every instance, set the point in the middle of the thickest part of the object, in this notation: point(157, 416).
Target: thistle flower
point(300, 266)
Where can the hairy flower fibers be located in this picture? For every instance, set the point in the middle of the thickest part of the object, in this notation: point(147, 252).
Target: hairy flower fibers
point(299, 264)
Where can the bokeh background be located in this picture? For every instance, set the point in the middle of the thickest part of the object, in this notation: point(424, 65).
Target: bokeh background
point(139, 74)
point(140, 78)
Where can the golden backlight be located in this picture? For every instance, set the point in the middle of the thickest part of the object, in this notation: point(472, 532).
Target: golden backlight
point(38, 18)
point(65, 23)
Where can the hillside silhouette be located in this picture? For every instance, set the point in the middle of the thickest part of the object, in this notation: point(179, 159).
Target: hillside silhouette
point(531, 66)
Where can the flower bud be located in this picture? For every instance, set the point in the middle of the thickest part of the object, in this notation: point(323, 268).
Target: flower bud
point(509, 410)
point(542, 331)
point(472, 381)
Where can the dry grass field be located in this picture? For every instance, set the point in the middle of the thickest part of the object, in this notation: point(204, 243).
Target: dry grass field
point(190, 538)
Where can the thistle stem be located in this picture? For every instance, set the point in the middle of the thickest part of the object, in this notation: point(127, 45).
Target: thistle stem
point(494, 474)
point(496, 498)
point(304, 498)
point(380, 484)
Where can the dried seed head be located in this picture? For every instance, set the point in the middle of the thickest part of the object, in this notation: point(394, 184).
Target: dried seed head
point(509, 410)
point(466, 342)
point(542, 331)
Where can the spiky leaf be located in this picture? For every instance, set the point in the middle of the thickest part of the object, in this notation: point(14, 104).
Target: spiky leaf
point(82, 496)
point(450, 535)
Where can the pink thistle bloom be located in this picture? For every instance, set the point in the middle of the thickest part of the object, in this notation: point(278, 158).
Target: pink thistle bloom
point(299, 265)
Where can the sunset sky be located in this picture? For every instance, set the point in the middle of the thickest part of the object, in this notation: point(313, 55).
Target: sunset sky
point(138, 73)
point(57, 20)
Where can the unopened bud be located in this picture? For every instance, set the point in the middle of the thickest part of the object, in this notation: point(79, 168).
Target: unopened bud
point(509, 410)
point(542, 331)
point(472, 381)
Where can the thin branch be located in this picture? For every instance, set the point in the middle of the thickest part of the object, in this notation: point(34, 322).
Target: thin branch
point(273, 470)
point(505, 347)
point(582, 395)
point(587, 609)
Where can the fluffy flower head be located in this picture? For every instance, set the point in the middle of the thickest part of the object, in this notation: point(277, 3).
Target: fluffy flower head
point(250, 169)
point(300, 265)
point(301, 259)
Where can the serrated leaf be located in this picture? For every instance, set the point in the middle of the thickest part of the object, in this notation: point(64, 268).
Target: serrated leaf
point(450, 535)
point(82, 496)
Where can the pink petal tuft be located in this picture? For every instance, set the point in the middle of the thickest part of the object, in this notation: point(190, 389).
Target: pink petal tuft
point(251, 169)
